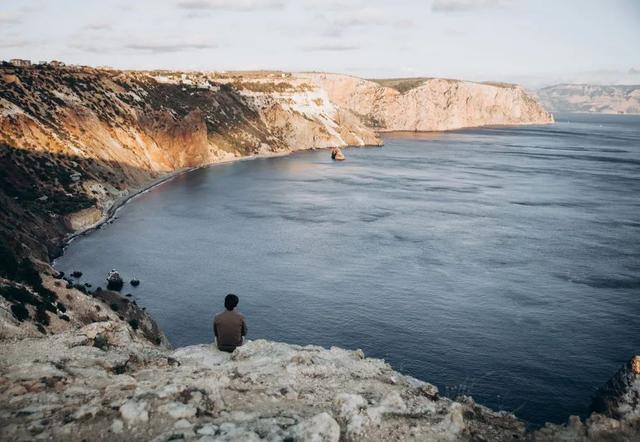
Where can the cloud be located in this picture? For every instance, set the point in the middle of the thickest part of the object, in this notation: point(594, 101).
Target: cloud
point(159, 48)
point(151, 47)
point(337, 21)
point(331, 47)
point(326, 5)
point(97, 26)
point(231, 5)
point(17, 43)
point(466, 5)
point(19, 15)
point(363, 17)
point(90, 47)
point(10, 18)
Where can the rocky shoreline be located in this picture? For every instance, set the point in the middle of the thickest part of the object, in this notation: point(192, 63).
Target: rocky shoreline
point(80, 364)
point(108, 380)
point(103, 382)
point(109, 213)
point(111, 209)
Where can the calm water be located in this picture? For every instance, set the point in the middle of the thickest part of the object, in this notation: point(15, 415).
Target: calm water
point(502, 262)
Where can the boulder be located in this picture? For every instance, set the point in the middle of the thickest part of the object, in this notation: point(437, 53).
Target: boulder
point(620, 397)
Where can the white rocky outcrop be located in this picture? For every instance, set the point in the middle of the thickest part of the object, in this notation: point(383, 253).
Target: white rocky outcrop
point(63, 387)
point(433, 104)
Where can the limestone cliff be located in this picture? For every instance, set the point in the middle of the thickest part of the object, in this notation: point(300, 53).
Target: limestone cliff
point(606, 99)
point(83, 363)
point(73, 139)
point(104, 382)
point(431, 104)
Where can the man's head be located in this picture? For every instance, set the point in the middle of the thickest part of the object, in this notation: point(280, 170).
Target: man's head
point(230, 301)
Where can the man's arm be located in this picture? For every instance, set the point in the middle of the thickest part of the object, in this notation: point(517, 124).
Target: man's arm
point(243, 333)
point(215, 329)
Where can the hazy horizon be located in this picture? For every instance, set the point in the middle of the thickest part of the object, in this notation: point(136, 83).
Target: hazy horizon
point(527, 42)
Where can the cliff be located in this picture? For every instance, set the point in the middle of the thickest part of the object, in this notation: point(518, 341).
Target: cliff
point(607, 99)
point(74, 141)
point(83, 363)
point(431, 104)
point(104, 382)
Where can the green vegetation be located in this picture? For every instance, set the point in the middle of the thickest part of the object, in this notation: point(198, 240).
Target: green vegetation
point(402, 85)
point(20, 312)
point(22, 270)
point(269, 86)
point(499, 84)
point(20, 297)
point(101, 342)
point(28, 176)
point(42, 317)
point(8, 261)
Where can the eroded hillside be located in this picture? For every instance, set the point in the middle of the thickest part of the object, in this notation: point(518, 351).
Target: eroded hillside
point(83, 363)
point(78, 139)
point(431, 104)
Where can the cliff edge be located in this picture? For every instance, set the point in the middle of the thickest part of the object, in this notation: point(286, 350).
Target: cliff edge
point(104, 382)
point(83, 363)
point(431, 104)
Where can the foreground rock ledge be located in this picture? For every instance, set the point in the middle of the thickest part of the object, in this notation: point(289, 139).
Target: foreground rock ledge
point(63, 387)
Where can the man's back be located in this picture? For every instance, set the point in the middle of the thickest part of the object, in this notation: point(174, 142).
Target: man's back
point(229, 327)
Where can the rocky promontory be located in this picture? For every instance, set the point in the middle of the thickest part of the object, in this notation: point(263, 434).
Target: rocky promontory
point(431, 104)
point(104, 382)
point(84, 363)
point(604, 99)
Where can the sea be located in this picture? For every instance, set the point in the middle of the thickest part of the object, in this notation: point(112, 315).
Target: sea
point(501, 263)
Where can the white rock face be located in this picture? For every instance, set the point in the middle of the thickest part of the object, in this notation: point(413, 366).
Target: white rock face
point(84, 218)
point(433, 104)
point(64, 388)
point(320, 428)
point(63, 385)
point(134, 412)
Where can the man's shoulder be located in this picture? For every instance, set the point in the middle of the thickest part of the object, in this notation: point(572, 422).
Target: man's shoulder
point(228, 313)
point(219, 315)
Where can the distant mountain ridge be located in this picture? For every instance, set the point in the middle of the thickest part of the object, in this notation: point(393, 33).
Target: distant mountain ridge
point(608, 99)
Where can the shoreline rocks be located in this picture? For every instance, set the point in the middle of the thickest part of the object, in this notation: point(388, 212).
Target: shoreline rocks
point(98, 368)
point(69, 385)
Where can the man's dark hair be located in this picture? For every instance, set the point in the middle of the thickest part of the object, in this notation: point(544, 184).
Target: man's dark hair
point(230, 301)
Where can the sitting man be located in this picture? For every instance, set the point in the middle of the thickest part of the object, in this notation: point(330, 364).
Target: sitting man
point(229, 327)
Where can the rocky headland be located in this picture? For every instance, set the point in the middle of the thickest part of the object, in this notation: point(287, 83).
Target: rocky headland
point(431, 104)
point(85, 363)
point(605, 99)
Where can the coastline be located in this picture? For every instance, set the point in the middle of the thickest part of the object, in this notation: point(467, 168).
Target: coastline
point(111, 211)
point(458, 129)
point(117, 204)
point(404, 385)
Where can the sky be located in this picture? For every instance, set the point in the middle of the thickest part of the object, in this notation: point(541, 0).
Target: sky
point(525, 41)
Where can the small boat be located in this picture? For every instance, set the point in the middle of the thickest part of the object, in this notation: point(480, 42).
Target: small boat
point(337, 155)
point(114, 280)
